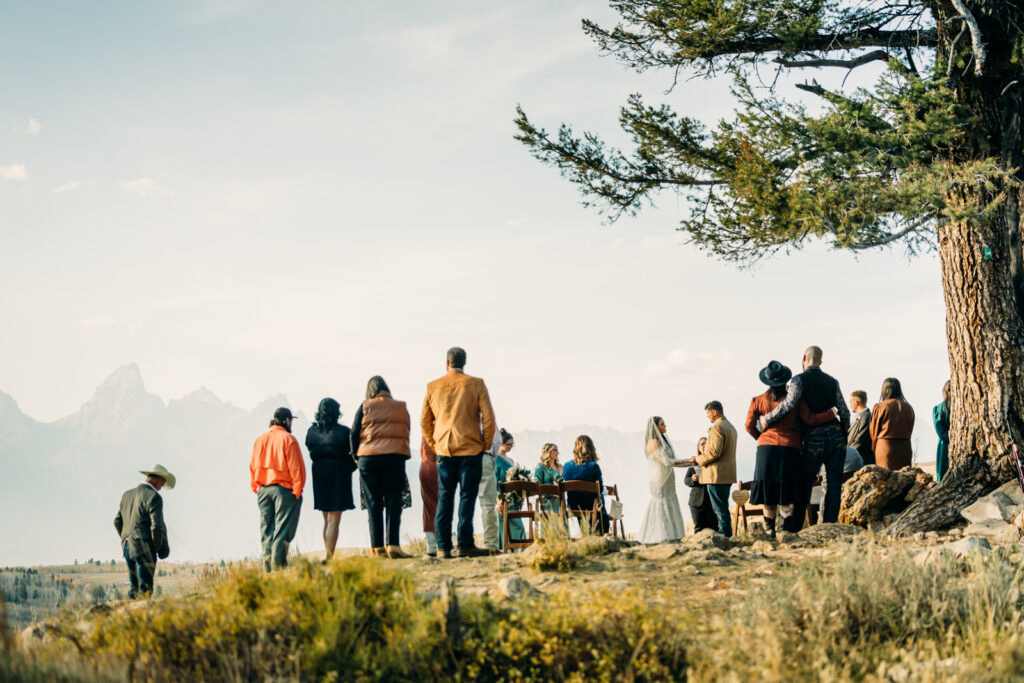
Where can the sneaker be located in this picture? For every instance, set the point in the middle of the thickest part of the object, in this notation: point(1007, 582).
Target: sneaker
point(473, 551)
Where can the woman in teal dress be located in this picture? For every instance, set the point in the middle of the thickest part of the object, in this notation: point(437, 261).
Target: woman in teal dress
point(549, 471)
point(940, 416)
point(502, 464)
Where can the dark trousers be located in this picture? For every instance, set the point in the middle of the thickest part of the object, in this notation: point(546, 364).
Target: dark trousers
point(823, 446)
point(719, 494)
point(703, 515)
point(826, 446)
point(141, 571)
point(279, 519)
point(462, 471)
point(383, 485)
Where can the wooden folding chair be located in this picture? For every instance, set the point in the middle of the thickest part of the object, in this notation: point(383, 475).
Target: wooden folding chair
point(594, 514)
point(615, 523)
point(542, 514)
point(526, 489)
point(741, 496)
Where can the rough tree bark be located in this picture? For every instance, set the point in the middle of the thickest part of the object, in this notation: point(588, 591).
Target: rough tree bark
point(983, 285)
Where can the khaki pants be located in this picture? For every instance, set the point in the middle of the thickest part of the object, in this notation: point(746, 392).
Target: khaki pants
point(488, 496)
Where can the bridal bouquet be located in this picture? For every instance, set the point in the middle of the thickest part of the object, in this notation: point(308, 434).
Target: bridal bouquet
point(516, 473)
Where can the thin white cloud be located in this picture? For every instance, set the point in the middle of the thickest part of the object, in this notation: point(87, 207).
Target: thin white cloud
point(143, 187)
point(214, 11)
point(67, 187)
point(13, 172)
point(34, 126)
point(681, 360)
point(661, 241)
point(100, 323)
point(516, 222)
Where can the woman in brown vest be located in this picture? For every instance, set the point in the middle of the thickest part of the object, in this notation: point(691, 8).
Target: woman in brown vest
point(380, 440)
point(892, 423)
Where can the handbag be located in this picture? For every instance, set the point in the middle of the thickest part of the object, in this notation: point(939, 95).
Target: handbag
point(615, 508)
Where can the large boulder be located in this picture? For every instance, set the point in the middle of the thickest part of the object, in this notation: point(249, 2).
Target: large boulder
point(875, 492)
point(965, 547)
point(706, 539)
point(1003, 504)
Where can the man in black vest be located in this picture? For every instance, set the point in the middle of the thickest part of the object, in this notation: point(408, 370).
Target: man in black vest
point(822, 445)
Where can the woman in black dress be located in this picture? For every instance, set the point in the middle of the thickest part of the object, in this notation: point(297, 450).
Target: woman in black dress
point(330, 450)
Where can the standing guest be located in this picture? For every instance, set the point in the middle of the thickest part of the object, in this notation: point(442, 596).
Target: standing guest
point(892, 424)
point(584, 467)
point(380, 439)
point(824, 444)
point(488, 496)
point(458, 424)
point(502, 464)
point(663, 520)
point(428, 492)
point(940, 416)
point(140, 524)
point(330, 450)
point(860, 427)
point(718, 464)
point(777, 469)
point(549, 471)
point(700, 503)
point(277, 476)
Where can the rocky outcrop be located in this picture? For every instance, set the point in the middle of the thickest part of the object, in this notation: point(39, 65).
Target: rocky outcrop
point(706, 539)
point(875, 492)
point(823, 534)
point(965, 547)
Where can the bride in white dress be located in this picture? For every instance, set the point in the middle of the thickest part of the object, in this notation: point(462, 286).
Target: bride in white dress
point(663, 521)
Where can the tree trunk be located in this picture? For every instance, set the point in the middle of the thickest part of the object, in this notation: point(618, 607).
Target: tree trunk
point(983, 285)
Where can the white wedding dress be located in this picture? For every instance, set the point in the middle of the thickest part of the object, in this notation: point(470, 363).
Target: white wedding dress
point(663, 520)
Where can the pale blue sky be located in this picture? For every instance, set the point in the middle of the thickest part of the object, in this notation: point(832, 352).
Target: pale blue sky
point(291, 197)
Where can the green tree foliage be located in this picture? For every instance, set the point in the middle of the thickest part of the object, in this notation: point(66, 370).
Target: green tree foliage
point(869, 167)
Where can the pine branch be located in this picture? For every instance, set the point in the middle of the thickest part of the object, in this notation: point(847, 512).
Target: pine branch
point(875, 56)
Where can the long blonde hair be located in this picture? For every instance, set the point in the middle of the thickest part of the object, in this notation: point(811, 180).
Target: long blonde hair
point(583, 450)
point(546, 455)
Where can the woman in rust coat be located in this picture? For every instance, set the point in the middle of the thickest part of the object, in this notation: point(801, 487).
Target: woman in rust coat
point(892, 423)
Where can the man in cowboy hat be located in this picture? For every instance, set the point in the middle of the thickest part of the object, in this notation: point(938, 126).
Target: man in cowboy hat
point(140, 524)
point(277, 475)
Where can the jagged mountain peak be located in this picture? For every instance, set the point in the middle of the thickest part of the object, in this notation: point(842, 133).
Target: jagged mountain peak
point(202, 395)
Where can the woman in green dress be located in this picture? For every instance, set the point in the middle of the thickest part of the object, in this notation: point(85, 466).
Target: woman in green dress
point(549, 471)
point(940, 416)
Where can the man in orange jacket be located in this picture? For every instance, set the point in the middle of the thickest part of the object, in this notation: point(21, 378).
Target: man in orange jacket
point(277, 475)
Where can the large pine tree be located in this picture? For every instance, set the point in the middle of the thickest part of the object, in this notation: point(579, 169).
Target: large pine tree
point(930, 156)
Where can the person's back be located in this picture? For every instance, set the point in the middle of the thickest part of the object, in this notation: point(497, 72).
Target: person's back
point(384, 427)
point(458, 404)
point(894, 418)
point(142, 529)
point(780, 433)
point(458, 425)
point(591, 471)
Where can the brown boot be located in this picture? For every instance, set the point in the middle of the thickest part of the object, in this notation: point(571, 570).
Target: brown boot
point(395, 553)
point(377, 552)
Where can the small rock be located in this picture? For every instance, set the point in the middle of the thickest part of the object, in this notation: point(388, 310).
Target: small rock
point(969, 544)
point(762, 547)
point(994, 529)
point(919, 536)
point(661, 551)
point(932, 535)
point(708, 538)
point(955, 532)
point(515, 588)
point(821, 534)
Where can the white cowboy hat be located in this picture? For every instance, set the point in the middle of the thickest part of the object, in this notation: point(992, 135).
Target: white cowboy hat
point(161, 471)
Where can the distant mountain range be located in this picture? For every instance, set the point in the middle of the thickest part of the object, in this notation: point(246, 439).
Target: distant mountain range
point(63, 479)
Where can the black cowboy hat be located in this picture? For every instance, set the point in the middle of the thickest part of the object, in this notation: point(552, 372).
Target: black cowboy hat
point(775, 374)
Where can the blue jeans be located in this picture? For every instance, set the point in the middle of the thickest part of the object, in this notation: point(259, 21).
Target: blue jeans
point(140, 574)
point(462, 471)
point(825, 446)
point(719, 494)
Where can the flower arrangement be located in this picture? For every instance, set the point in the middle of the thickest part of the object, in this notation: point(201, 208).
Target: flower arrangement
point(516, 473)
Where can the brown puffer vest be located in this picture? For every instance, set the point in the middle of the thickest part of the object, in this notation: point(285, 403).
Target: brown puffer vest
point(385, 427)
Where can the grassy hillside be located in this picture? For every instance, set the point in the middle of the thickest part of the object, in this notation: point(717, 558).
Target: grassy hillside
point(860, 610)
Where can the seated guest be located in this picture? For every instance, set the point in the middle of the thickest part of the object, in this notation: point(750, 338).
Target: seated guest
point(584, 467)
point(502, 464)
point(700, 502)
point(549, 471)
point(718, 464)
point(892, 424)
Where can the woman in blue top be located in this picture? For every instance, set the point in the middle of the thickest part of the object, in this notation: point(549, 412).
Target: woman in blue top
point(549, 471)
point(940, 416)
point(502, 464)
point(584, 467)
